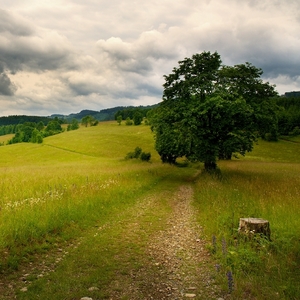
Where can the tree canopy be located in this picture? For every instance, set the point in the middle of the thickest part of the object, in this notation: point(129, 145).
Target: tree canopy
point(210, 111)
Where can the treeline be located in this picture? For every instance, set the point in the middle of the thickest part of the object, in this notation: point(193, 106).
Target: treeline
point(31, 132)
point(107, 114)
point(136, 114)
point(288, 115)
point(15, 120)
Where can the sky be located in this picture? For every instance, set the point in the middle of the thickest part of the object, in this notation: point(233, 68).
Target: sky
point(63, 56)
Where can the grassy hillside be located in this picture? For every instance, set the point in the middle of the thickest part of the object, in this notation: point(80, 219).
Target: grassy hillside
point(57, 192)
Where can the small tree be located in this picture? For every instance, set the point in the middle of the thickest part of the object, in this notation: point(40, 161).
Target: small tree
point(74, 124)
point(145, 156)
point(128, 121)
point(119, 119)
point(54, 126)
point(137, 118)
point(137, 152)
point(36, 136)
point(89, 120)
point(40, 126)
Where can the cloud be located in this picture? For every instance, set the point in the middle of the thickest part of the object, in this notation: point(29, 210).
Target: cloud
point(7, 88)
point(56, 57)
point(14, 25)
point(45, 52)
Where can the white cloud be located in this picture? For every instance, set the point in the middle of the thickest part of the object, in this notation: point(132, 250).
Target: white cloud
point(63, 56)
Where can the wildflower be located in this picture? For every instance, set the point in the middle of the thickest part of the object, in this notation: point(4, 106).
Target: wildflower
point(218, 267)
point(214, 243)
point(230, 281)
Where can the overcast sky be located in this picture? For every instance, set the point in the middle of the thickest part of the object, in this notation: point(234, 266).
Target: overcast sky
point(62, 56)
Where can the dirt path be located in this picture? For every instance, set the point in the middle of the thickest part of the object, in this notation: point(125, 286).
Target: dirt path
point(178, 266)
point(174, 264)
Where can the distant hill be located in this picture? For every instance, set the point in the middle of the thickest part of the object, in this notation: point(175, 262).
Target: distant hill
point(102, 115)
point(107, 114)
point(292, 94)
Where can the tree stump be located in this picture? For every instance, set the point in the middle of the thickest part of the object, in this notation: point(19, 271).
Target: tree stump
point(253, 226)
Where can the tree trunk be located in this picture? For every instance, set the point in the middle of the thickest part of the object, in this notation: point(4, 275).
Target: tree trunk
point(210, 165)
point(252, 226)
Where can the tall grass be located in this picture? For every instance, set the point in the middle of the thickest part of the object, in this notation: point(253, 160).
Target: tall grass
point(55, 190)
point(70, 181)
point(259, 186)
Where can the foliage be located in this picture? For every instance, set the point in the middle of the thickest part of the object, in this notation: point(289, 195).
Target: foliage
point(73, 126)
point(34, 133)
point(36, 136)
point(289, 114)
point(54, 126)
point(131, 111)
point(21, 119)
point(9, 129)
point(137, 118)
point(146, 156)
point(89, 120)
point(244, 80)
point(27, 132)
point(295, 132)
point(119, 120)
point(138, 153)
point(128, 122)
point(211, 112)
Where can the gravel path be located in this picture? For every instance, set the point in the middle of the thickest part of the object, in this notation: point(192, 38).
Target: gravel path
point(179, 266)
point(176, 264)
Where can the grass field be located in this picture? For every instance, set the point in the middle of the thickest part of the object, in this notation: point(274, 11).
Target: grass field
point(56, 192)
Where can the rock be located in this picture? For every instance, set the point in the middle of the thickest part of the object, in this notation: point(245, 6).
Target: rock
point(93, 288)
point(86, 298)
point(24, 289)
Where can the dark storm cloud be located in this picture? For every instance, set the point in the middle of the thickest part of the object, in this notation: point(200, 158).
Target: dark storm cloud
point(7, 88)
point(34, 53)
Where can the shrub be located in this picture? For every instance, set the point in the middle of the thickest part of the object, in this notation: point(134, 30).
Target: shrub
point(129, 155)
point(129, 122)
point(295, 132)
point(145, 156)
point(137, 152)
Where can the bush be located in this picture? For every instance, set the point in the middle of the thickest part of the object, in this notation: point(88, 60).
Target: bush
point(138, 154)
point(145, 156)
point(129, 155)
point(129, 122)
point(295, 132)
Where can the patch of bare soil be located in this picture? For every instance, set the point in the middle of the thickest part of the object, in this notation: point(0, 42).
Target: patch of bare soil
point(40, 266)
point(178, 265)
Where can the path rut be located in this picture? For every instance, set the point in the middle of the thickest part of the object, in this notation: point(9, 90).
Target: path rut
point(178, 266)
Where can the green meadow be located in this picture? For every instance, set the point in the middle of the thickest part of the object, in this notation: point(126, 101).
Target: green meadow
point(56, 196)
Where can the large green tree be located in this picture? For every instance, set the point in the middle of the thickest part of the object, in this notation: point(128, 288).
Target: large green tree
point(206, 114)
point(245, 81)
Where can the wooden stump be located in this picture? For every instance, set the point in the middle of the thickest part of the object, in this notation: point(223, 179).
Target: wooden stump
point(252, 226)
